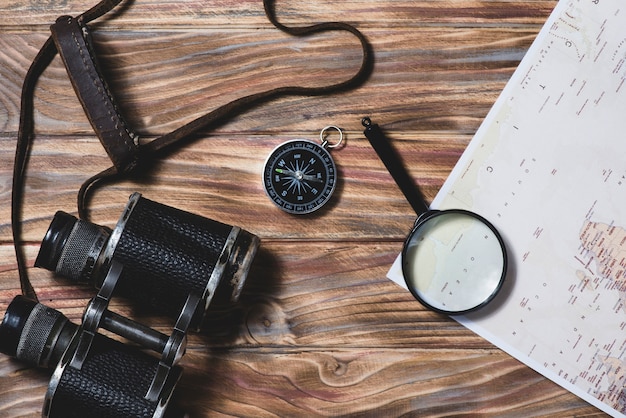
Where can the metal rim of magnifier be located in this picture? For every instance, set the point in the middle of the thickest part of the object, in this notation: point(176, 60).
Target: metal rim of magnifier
point(419, 223)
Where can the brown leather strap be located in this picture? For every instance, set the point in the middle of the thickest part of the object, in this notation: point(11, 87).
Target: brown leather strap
point(71, 40)
point(70, 37)
point(25, 137)
point(24, 140)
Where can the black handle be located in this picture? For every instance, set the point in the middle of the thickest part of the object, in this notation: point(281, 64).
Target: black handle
point(394, 165)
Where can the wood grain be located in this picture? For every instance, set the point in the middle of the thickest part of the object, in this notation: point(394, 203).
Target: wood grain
point(424, 90)
point(319, 330)
point(153, 14)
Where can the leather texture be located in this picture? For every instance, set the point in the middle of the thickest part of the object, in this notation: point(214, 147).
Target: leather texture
point(74, 46)
point(112, 383)
point(167, 253)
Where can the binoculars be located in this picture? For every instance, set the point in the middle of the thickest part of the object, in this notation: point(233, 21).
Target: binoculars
point(171, 261)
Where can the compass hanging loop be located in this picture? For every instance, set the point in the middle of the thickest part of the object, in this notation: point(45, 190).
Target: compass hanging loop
point(324, 134)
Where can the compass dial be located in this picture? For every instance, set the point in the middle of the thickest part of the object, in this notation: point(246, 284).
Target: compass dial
point(299, 176)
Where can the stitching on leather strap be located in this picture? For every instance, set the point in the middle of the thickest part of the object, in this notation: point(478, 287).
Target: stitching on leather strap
point(73, 45)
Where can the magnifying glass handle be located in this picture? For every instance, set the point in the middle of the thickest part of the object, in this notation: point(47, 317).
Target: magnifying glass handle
point(392, 161)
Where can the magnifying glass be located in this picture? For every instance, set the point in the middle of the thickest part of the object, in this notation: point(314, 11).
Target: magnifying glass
point(454, 260)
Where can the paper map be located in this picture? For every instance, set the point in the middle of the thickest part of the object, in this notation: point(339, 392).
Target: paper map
point(548, 169)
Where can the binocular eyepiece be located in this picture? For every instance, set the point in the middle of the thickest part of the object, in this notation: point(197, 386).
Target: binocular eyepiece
point(164, 258)
point(34, 333)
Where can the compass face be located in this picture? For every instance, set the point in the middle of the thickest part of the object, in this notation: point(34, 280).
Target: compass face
point(299, 176)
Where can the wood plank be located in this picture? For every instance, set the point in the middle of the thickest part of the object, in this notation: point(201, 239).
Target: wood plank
point(431, 78)
point(248, 13)
point(382, 383)
point(251, 382)
point(208, 179)
point(298, 293)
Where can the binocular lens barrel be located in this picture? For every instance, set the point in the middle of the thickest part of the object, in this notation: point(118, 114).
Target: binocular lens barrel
point(72, 247)
point(167, 254)
point(164, 258)
point(34, 333)
point(113, 380)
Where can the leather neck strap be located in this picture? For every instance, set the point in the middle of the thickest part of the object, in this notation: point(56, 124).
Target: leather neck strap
point(70, 38)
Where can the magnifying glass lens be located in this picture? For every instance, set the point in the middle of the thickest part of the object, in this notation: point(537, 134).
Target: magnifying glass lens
point(454, 261)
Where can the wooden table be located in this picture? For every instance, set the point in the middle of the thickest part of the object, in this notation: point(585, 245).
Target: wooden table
point(319, 329)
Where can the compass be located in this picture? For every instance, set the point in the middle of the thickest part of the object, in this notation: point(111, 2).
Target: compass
point(300, 175)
